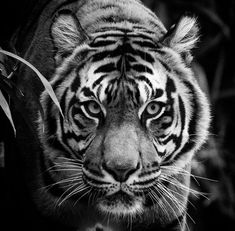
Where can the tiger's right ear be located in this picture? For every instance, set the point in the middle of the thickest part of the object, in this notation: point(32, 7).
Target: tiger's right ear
point(183, 36)
point(67, 32)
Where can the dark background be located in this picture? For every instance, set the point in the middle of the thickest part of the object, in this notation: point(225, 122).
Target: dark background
point(214, 61)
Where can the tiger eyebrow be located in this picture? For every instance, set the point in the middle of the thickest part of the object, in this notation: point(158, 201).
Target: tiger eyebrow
point(99, 80)
point(87, 92)
point(147, 91)
point(145, 79)
point(98, 93)
point(158, 93)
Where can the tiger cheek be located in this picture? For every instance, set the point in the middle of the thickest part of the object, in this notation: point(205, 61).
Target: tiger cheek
point(92, 157)
point(149, 153)
point(159, 127)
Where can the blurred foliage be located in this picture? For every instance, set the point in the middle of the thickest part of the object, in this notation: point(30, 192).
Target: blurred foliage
point(214, 66)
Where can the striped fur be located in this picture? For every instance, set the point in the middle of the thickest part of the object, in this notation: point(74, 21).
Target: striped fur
point(109, 155)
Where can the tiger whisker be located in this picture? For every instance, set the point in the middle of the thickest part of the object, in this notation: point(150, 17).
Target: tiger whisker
point(183, 187)
point(64, 181)
point(82, 196)
point(176, 168)
point(59, 202)
point(77, 190)
point(192, 191)
point(179, 202)
point(182, 196)
point(179, 207)
point(69, 159)
point(156, 198)
point(67, 164)
point(61, 160)
point(169, 173)
point(153, 201)
point(151, 197)
point(172, 198)
point(78, 168)
point(183, 171)
point(163, 197)
point(178, 184)
point(91, 196)
point(65, 169)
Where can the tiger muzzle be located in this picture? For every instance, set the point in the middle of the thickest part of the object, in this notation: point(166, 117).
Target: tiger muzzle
point(120, 173)
point(121, 155)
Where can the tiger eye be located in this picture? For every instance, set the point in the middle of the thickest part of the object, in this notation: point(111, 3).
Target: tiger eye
point(153, 108)
point(94, 107)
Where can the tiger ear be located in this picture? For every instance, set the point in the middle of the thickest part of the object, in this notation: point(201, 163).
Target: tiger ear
point(183, 36)
point(67, 32)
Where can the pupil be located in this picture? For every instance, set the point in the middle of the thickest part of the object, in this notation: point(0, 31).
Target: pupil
point(153, 107)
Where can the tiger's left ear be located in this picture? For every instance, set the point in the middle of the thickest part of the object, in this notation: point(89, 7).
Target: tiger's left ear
point(183, 36)
point(67, 32)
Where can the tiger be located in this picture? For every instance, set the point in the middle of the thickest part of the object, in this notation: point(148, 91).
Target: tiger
point(133, 117)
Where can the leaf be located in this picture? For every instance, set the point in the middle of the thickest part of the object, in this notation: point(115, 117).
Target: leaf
point(4, 105)
point(8, 86)
point(44, 81)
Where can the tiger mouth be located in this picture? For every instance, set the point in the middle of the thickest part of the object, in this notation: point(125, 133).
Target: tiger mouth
point(120, 204)
point(119, 197)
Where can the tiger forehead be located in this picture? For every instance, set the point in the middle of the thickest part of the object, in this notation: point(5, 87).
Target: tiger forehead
point(118, 92)
point(134, 33)
point(124, 43)
point(124, 67)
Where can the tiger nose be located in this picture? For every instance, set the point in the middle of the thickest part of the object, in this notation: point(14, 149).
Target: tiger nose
point(120, 172)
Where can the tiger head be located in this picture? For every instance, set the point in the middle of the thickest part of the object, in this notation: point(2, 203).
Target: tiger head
point(134, 115)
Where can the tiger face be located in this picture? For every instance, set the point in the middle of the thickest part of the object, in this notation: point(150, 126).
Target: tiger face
point(133, 117)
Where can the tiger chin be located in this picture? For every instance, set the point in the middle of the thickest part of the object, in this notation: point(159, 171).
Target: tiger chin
point(133, 116)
